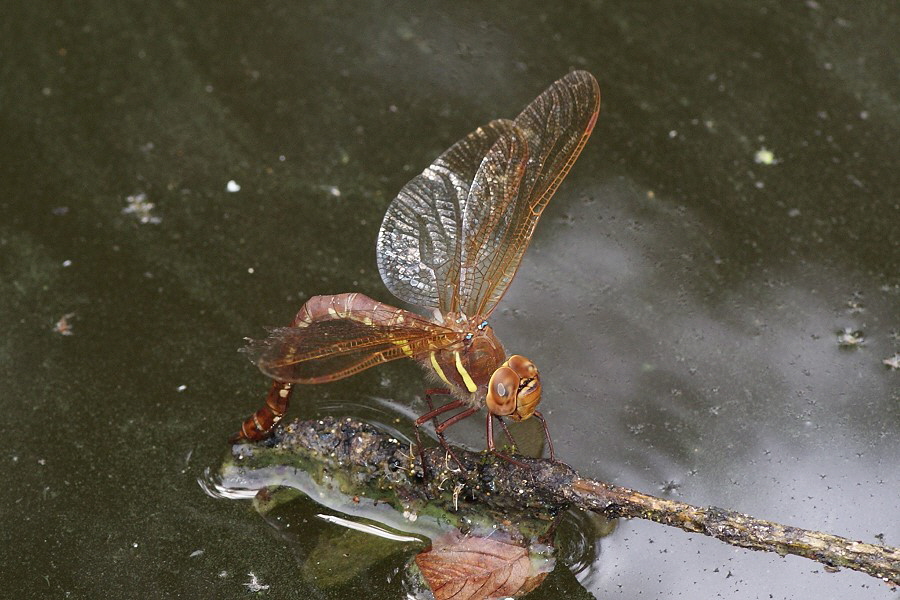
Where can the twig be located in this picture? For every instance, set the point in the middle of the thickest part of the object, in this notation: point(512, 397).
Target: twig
point(741, 530)
point(389, 467)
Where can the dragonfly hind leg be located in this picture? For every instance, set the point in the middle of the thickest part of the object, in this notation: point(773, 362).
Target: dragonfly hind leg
point(432, 416)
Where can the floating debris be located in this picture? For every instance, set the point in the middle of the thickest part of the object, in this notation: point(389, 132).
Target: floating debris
point(232, 186)
point(847, 338)
point(892, 362)
point(63, 326)
point(855, 304)
point(254, 585)
point(141, 208)
point(764, 156)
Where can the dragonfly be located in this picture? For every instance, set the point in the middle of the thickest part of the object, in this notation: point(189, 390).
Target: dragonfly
point(450, 243)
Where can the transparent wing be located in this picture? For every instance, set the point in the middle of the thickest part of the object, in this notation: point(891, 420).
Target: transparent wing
point(337, 346)
point(491, 211)
point(499, 221)
point(454, 236)
point(419, 245)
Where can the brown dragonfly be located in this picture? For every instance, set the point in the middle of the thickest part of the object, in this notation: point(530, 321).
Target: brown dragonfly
point(450, 243)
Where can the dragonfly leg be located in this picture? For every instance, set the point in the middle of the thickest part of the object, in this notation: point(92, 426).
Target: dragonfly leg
point(432, 415)
point(543, 421)
point(490, 440)
point(509, 436)
point(436, 392)
point(457, 418)
point(439, 430)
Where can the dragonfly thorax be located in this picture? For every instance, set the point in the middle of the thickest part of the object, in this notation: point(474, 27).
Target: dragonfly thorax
point(466, 367)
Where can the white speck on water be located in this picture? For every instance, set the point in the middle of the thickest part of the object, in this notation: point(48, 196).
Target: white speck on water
point(181, 388)
point(764, 156)
point(140, 207)
point(251, 270)
point(848, 338)
point(334, 191)
point(794, 212)
point(64, 325)
point(232, 186)
point(67, 263)
point(254, 584)
point(197, 553)
point(893, 362)
point(855, 304)
point(673, 134)
point(863, 114)
point(282, 158)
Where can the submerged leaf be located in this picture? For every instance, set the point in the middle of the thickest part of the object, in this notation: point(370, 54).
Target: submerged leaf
point(477, 568)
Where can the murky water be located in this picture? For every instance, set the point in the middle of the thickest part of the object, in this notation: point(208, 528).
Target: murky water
point(713, 296)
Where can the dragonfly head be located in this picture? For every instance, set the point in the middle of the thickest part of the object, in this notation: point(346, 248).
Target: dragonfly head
point(514, 390)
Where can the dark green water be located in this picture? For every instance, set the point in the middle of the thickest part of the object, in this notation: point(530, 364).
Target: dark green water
point(683, 294)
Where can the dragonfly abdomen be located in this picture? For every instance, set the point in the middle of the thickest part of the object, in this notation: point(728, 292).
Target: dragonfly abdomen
point(353, 306)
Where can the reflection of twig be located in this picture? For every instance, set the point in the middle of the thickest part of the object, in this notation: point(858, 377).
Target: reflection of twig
point(384, 463)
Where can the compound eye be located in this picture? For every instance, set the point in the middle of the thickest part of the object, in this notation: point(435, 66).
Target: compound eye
point(523, 367)
point(502, 391)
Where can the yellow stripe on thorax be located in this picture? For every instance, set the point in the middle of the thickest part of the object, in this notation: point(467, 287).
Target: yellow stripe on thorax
point(467, 379)
point(437, 369)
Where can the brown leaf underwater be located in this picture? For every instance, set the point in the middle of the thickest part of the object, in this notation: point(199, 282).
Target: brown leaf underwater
point(477, 568)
